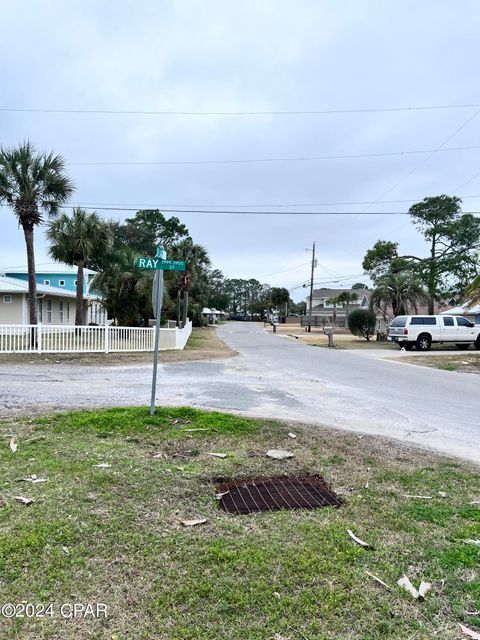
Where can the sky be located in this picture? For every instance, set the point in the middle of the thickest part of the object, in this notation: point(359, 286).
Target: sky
point(224, 56)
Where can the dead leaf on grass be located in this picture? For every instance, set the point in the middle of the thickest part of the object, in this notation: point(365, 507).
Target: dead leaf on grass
point(423, 588)
point(362, 543)
point(159, 455)
point(469, 632)
point(279, 454)
point(472, 541)
point(13, 444)
point(193, 523)
point(292, 435)
point(442, 494)
point(24, 500)
point(196, 429)
point(407, 495)
point(217, 455)
point(102, 465)
point(408, 586)
point(34, 480)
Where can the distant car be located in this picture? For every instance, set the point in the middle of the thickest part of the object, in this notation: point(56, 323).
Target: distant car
point(422, 331)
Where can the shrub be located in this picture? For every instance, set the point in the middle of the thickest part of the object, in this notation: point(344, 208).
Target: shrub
point(362, 323)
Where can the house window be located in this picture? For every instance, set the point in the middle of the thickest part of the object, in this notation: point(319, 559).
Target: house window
point(7, 299)
point(61, 312)
point(40, 310)
point(75, 282)
point(46, 282)
point(61, 283)
point(68, 312)
point(49, 311)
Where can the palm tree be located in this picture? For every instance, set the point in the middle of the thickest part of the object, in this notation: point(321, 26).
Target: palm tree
point(334, 300)
point(195, 276)
point(401, 291)
point(347, 297)
point(126, 290)
point(32, 184)
point(473, 292)
point(75, 240)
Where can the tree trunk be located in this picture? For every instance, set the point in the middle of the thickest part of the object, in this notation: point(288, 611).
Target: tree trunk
point(185, 307)
point(334, 315)
point(32, 282)
point(432, 278)
point(79, 318)
point(346, 314)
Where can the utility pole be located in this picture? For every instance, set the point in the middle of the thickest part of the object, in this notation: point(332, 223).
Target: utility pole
point(311, 290)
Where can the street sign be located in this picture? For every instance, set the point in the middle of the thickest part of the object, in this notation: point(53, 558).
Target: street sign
point(161, 265)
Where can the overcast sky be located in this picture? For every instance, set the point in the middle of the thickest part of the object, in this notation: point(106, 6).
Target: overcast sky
point(253, 55)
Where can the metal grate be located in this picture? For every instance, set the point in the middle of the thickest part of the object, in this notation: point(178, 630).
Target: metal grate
point(272, 494)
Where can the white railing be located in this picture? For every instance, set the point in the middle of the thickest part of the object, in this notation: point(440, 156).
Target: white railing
point(48, 338)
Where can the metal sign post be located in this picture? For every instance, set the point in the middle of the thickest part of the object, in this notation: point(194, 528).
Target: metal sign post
point(159, 264)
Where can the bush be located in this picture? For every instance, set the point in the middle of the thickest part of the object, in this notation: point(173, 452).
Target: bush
point(362, 323)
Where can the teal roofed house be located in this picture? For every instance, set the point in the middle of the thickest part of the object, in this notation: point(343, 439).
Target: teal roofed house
point(64, 277)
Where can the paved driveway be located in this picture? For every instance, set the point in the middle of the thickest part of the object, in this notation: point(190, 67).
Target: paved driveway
point(274, 377)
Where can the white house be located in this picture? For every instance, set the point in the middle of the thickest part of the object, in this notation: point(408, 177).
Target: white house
point(213, 315)
point(55, 305)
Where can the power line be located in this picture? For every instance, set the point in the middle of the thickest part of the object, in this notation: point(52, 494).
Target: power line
point(252, 206)
point(441, 147)
point(256, 213)
point(352, 156)
point(294, 112)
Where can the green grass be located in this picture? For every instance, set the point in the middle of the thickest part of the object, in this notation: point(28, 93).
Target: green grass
point(113, 535)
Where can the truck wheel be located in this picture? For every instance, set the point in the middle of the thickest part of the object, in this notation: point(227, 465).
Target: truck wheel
point(462, 346)
point(477, 342)
point(424, 342)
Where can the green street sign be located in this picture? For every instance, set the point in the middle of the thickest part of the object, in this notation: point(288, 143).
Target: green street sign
point(159, 264)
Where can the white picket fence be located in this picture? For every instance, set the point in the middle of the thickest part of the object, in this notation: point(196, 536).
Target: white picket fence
point(47, 338)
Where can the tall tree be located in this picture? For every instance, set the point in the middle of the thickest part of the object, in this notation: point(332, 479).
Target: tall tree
point(280, 298)
point(149, 228)
point(453, 258)
point(75, 240)
point(347, 297)
point(400, 291)
point(453, 238)
point(126, 290)
point(32, 184)
point(195, 276)
point(334, 300)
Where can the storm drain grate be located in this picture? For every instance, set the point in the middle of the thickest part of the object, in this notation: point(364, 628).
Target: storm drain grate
point(272, 494)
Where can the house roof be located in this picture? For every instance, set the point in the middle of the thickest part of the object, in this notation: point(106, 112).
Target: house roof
point(14, 285)
point(462, 309)
point(58, 268)
point(333, 293)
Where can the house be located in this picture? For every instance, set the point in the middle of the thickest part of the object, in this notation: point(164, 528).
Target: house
point(323, 312)
point(212, 315)
point(55, 304)
point(64, 277)
point(472, 313)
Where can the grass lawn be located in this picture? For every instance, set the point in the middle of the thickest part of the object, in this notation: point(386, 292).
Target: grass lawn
point(112, 535)
point(456, 362)
point(203, 344)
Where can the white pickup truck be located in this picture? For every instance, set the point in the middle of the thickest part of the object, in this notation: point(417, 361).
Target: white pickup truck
point(421, 331)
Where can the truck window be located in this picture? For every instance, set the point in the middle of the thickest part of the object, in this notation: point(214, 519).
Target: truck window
point(463, 322)
point(423, 320)
point(400, 321)
point(448, 322)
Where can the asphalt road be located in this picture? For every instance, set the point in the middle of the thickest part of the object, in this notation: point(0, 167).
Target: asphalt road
point(274, 377)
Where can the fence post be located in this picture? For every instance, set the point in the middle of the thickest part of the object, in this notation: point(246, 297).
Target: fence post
point(39, 338)
point(106, 339)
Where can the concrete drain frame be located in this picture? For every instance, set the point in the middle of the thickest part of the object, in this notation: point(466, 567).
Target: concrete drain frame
point(253, 495)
